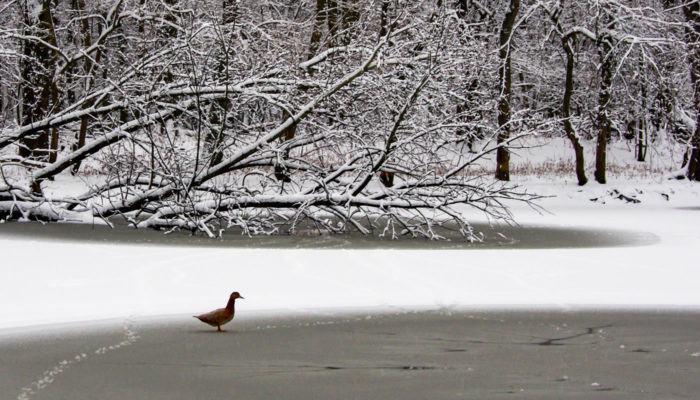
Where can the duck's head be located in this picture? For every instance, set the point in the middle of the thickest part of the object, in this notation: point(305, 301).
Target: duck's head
point(236, 295)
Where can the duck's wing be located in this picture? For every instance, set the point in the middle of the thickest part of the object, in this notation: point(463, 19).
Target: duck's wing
point(212, 317)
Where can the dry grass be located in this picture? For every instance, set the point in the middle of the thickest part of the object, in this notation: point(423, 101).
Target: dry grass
point(562, 169)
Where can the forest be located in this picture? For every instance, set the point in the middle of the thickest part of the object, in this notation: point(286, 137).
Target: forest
point(345, 115)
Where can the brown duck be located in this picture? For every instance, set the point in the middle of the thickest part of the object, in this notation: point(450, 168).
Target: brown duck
point(221, 316)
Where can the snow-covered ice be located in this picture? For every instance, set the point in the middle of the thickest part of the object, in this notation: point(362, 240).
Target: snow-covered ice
point(46, 282)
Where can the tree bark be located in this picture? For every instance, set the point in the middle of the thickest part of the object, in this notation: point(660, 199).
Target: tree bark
point(37, 86)
point(220, 107)
point(504, 105)
point(351, 15)
point(385, 177)
point(694, 159)
point(692, 16)
point(384, 19)
point(332, 15)
point(607, 68)
point(281, 172)
point(214, 140)
point(641, 133)
point(566, 111)
point(85, 31)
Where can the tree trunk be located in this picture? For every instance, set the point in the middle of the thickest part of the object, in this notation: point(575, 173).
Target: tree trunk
point(169, 30)
point(85, 31)
point(332, 15)
point(464, 107)
point(504, 106)
point(384, 19)
point(385, 177)
point(694, 159)
point(566, 110)
point(317, 33)
point(642, 136)
point(37, 85)
point(351, 15)
point(214, 140)
point(642, 139)
point(281, 172)
point(692, 16)
point(220, 107)
point(607, 68)
point(4, 100)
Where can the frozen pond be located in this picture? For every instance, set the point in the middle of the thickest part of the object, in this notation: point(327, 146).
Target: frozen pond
point(427, 355)
point(503, 236)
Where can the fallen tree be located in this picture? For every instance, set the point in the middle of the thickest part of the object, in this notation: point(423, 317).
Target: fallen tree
point(231, 125)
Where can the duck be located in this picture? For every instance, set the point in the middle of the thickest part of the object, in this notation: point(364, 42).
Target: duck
point(221, 316)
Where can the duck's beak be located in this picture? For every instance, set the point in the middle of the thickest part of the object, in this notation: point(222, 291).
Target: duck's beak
point(241, 297)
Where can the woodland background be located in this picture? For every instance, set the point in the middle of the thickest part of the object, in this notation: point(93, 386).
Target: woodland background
point(367, 115)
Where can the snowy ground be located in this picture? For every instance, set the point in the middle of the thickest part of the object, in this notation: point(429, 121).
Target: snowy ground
point(47, 282)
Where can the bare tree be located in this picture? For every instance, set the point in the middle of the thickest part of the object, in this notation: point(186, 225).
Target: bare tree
point(605, 24)
point(568, 39)
point(504, 99)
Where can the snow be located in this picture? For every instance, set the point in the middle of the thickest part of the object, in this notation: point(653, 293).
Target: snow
point(49, 282)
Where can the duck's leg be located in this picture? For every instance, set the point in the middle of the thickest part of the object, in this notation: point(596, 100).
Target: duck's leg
point(218, 328)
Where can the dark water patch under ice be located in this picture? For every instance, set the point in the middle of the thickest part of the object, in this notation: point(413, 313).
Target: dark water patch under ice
point(494, 237)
